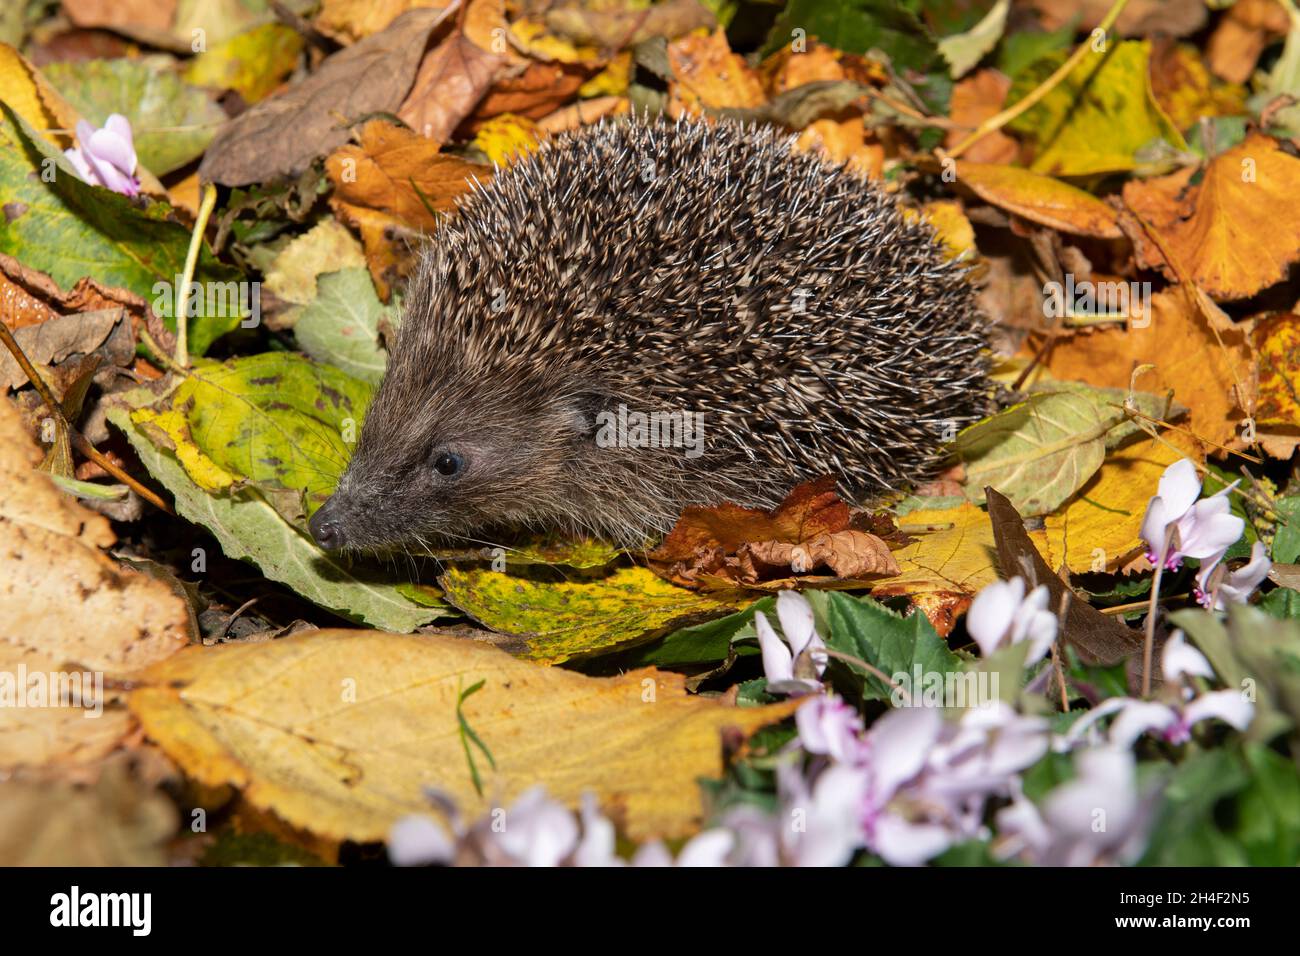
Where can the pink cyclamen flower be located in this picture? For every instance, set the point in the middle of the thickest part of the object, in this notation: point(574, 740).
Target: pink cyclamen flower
point(106, 156)
point(1002, 614)
point(1177, 526)
point(1218, 586)
point(1099, 817)
point(1172, 722)
point(794, 665)
point(828, 726)
point(420, 840)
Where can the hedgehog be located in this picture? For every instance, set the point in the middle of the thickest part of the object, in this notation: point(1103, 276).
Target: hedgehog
point(646, 315)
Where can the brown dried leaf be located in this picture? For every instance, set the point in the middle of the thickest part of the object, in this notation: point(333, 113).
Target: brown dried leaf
point(616, 29)
point(455, 76)
point(385, 182)
point(811, 509)
point(728, 545)
point(117, 821)
point(975, 99)
point(282, 135)
point(1189, 361)
point(1098, 638)
point(67, 607)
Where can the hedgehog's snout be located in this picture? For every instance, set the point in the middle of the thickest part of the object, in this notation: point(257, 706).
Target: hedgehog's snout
point(326, 525)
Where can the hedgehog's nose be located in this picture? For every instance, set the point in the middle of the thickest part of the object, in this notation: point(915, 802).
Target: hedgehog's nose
point(326, 527)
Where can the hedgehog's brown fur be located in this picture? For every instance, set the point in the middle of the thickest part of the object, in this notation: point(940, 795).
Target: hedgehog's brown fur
point(662, 267)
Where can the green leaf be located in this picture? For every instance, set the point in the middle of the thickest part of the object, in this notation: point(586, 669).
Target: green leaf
point(341, 326)
point(1268, 813)
point(711, 641)
point(249, 528)
point(1281, 602)
point(901, 647)
point(1185, 833)
point(172, 123)
point(1257, 654)
point(1040, 452)
point(857, 26)
point(1286, 541)
point(278, 420)
point(1098, 118)
point(1021, 48)
point(70, 229)
point(963, 51)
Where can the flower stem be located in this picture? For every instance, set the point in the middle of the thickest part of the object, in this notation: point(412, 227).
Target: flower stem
point(206, 206)
point(1007, 115)
point(1149, 644)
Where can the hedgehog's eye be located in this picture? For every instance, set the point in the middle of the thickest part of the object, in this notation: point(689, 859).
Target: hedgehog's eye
point(448, 463)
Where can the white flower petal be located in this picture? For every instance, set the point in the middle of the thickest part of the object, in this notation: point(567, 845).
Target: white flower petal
point(796, 617)
point(1180, 659)
point(992, 612)
point(1139, 717)
point(1229, 706)
point(1179, 487)
point(778, 663)
point(901, 741)
point(418, 840)
point(901, 843)
point(709, 848)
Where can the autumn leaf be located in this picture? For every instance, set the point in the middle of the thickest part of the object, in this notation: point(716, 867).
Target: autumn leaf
point(1041, 199)
point(950, 559)
point(1237, 230)
point(341, 732)
point(1098, 118)
point(554, 621)
point(1097, 531)
point(1204, 365)
point(708, 75)
point(395, 177)
point(372, 75)
point(67, 609)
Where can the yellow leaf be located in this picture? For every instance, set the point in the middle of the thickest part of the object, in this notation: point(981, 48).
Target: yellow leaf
point(943, 568)
point(1097, 119)
point(1278, 340)
point(203, 471)
point(951, 227)
point(558, 620)
point(612, 80)
point(1098, 529)
point(340, 732)
point(535, 40)
point(507, 138)
point(25, 91)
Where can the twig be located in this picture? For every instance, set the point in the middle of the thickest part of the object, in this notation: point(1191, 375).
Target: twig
point(870, 669)
point(78, 440)
point(995, 123)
